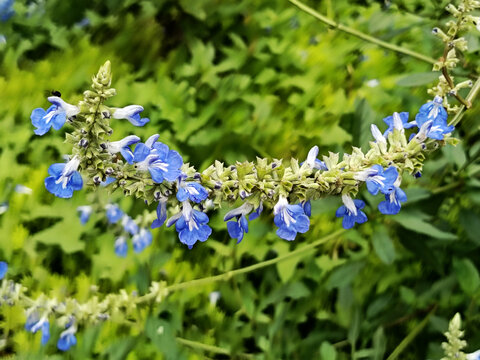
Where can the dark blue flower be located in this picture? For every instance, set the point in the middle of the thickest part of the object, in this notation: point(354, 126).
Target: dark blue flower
point(351, 212)
point(161, 213)
point(64, 178)
point(161, 162)
point(238, 227)
point(55, 115)
point(392, 203)
point(307, 207)
point(121, 246)
point(256, 213)
point(3, 269)
point(85, 212)
point(143, 150)
point(6, 11)
point(192, 191)
point(67, 339)
point(114, 213)
point(132, 114)
point(129, 225)
point(191, 225)
point(34, 323)
point(141, 240)
point(377, 179)
point(290, 219)
point(401, 119)
point(435, 112)
point(123, 147)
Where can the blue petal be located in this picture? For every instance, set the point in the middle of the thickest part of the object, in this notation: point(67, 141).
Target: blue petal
point(127, 155)
point(182, 195)
point(3, 269)
point(58, 120)
point(45, 332)
point(286, 234)
point(157, 174)
point(56, 169)
point(141, 152)
point(234, 229)
point(303, 223)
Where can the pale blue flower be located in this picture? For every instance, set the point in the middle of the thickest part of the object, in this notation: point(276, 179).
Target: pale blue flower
point(55, 116)
point(64, 179)
point(398, 121)
point(162, 163)
point(84, 212)
point(435, 112)
point(35, 323)
point(67, 338)
point(393, 201)
point(123, 147)
point(351, 212)
point(3, 269)
point(121, 247)
point(22, 189)
point(378, 179)
point(132, 114)
point(114, 213)
point(312, 160)
point(141, 240)
point(129, 225)
point(238, 227)
point(161, 213)
point(190, 190)
point(290, 219)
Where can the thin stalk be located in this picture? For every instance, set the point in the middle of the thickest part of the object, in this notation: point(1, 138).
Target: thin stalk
point(305, 250)
point(360, 34)
point(211, 348)
point(411, 336)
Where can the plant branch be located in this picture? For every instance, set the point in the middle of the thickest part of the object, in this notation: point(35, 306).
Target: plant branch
point(360, 34)
point(211, 348)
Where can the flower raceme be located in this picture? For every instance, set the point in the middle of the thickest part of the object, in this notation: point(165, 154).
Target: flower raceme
point(173, 181)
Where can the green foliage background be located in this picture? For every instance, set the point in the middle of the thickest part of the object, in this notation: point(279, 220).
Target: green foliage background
point(231, 80)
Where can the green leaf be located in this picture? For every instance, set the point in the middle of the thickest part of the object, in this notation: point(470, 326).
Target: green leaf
point(467, 275)
point(418, 79)
point(415, 223)
point(327, 351)
point(383, 245)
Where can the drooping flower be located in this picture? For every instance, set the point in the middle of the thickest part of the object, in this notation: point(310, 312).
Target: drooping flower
point(351, 212)
point(398, 121)
point(256, 213)
point(161, 213)
point(162, 163)
point(132, 114)
point(121, 246)
point(141, 240)
point(55, 115)
point(191, 190)
point(191, 225)
point(6, 11)
point(129, 225)
point(312, 160)
point(123, 147)
point(113, 212)
point(35, 323)
point(290, 219)
point(64, 179)
point(67, 338)
point(378, 179)
point(238, 227)
point(84, 212)
point(3, 269)
point(435, 112)
point(392, 203)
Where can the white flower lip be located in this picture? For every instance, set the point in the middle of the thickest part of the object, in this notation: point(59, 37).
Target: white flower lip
point(127, 111)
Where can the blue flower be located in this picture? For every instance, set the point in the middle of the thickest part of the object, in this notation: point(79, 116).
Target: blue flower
point(237, 229)
point(129, 225)
point(143, 150)
point(162, 163)
point(123, 147)
point(312, 160)
point(64, 178)
point(141, 240)
point(398, 121)
point(377, 179)
point(256, 213)
point(34, 323)
point(351, 212)
point(121, 246)
point(114, 213)
point(290, 219)
point(108, 181)
point(85, 212)
point(307, 207)
point(435, 112)
point(392, 203)
point(132, 114)
point(191, 190)
point(161, 213)
point(379, 138)
point(67, 339)
point(475, 355)
point(6, 11)
point(191, 225)
point(55, 115)
point(3, 269)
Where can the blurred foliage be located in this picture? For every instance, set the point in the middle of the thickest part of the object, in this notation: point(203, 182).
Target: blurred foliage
point(230, 80)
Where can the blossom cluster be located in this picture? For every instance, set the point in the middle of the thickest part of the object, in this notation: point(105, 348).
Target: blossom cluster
point(152, 168)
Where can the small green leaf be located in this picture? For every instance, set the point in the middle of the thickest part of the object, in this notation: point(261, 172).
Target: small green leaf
point(467, 275)
point(383, 246)
point(418, 79)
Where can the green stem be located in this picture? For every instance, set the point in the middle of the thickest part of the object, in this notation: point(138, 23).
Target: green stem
point(305, 250)
point(470, 97)
point(361, 35)
point(210, 348)
point(411, 336)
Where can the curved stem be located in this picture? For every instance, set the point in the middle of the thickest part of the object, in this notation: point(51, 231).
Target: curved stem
point(304, 250)
point(360, 34)
point(211, 348)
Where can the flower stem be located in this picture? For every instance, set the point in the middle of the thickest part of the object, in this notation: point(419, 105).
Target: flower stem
point(470, 97)
point(211, 348)
point(304, 250)
point(360, 34)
